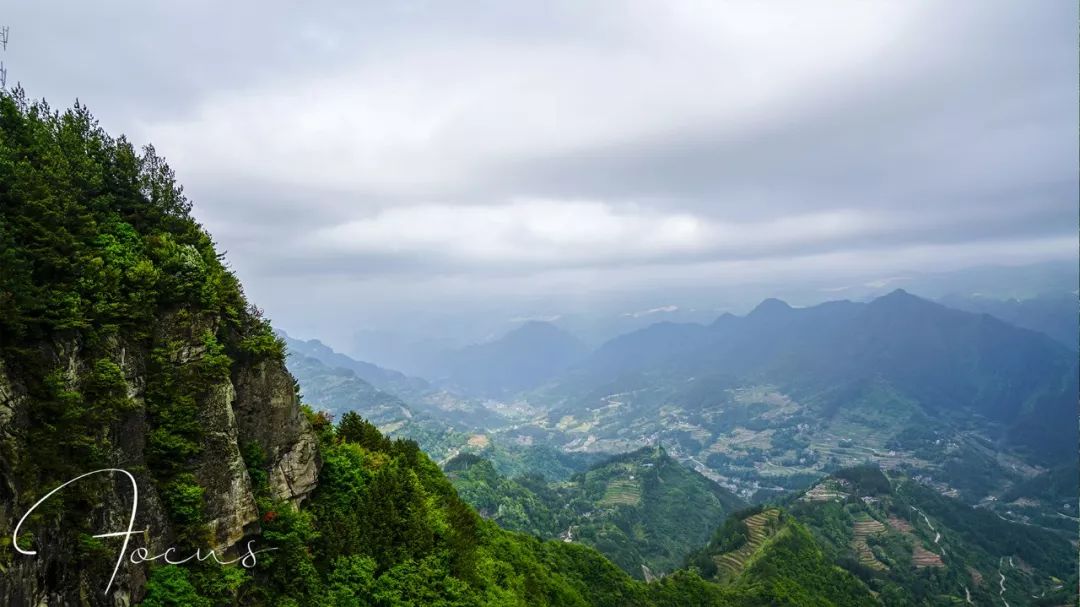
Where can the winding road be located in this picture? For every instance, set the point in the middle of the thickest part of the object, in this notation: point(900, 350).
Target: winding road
point(1001, 593)
point(937, 534)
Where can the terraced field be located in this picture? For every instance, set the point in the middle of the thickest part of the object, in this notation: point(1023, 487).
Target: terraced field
point(826, 491)
point(624, 492)
point(920, 557)
point(731, 563)
point(900, 525)
point(863, 528)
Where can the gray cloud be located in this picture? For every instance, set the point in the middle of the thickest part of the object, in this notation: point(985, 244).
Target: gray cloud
point(362, 161)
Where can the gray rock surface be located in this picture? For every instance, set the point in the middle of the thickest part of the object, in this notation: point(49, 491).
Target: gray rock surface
point(257, 404)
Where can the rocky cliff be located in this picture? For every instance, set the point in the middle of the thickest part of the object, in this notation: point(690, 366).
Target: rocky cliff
point(125, 343)
point(256, 405)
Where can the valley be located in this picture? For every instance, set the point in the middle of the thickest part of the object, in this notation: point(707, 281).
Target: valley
point(611, 451)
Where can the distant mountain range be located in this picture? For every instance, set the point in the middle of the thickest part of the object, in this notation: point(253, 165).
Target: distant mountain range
point(401, 406)
point(379, 377)
point(411, 341)
point(946, 361)
point(338, 390)
point(1056, 315)
point(523, 358)
point(763, 403)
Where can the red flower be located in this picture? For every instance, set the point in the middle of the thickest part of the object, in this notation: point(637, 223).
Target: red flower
point(269, 516)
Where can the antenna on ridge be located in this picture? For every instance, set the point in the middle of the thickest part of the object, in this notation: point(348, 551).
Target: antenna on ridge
point(4, 31)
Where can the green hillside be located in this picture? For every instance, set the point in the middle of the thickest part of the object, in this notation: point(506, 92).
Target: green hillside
point(916, 547)
point(769, 556)
point(339, 390)
point(742, 539)
point(402, 407)
point(385, 527)
point(895, 538)
point(643, 510)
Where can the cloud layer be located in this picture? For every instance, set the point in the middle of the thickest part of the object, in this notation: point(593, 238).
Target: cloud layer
point(410, 151)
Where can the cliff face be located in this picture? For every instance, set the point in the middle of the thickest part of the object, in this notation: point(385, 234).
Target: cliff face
point(256, 405)
point(125, 343)
point(268, 413)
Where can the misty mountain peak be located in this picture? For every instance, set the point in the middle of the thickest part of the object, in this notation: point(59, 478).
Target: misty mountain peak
point(725, 319)
point(539, 333)
point(900, 299)
point(770, 306)
point(537, 327)
point(531, 353)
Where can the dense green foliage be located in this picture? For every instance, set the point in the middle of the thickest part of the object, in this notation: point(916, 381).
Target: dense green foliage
point(1047, 500)
point(639, 509)
point(525, 504)
point(385, 527)
point(791, 570)
point(773, 560)
point(865, 480)
point(100, 261)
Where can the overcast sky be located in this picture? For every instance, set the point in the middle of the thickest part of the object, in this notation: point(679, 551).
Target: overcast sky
point(369, 164)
